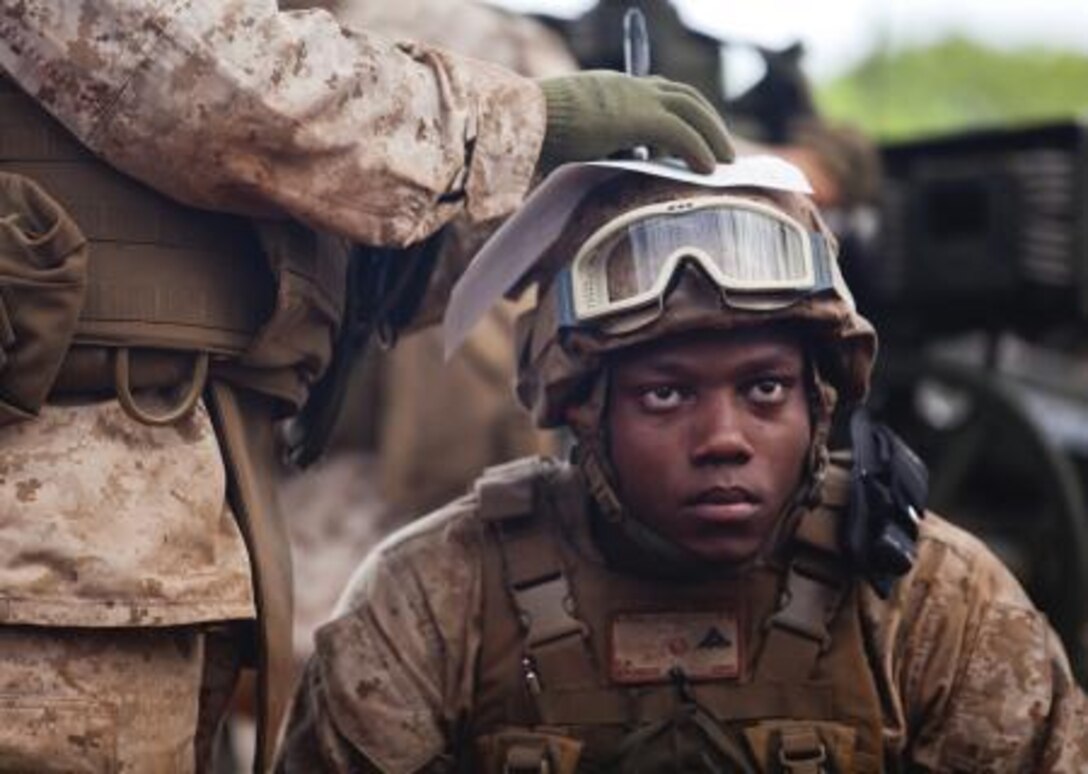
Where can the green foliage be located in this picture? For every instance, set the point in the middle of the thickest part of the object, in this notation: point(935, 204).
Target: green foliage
point(955, 84)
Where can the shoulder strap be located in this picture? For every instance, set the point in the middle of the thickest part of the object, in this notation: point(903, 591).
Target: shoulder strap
point(555, 640)
point(816, 584)
point(243, 422)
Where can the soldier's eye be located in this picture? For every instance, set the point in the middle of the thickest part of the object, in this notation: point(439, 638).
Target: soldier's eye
point(661, 398)
point(770, 390)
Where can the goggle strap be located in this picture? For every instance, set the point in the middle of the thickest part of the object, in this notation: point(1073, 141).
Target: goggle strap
point(564, 299)
point(823, 276)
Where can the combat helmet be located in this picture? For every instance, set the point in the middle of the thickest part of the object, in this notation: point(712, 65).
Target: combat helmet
point(638, 252)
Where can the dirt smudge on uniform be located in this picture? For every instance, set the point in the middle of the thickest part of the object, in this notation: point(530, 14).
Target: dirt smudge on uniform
point(27, 491)
point(367, 686)
point(190, 430)
point(117, 426)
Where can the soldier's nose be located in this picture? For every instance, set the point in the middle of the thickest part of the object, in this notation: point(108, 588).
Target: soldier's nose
point(719, 437)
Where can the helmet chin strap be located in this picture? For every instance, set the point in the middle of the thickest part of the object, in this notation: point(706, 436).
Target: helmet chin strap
point(623, 540)
point(630, 543)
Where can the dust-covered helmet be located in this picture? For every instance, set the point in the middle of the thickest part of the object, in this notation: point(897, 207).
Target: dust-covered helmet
point(623, 273)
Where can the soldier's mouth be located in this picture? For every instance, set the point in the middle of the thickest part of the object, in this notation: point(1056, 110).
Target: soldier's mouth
point(724, 504)
point(723, 495)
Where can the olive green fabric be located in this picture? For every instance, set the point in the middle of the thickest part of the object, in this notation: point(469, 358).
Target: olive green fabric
point(43, 272)
point(263, 298)
point(594, 114)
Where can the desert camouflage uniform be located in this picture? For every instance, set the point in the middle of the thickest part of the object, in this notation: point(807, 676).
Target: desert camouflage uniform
point(441, 423)
point(468, 27)
point(120, 559)
point(234, 106)
point(119, 554)
point(972, 678)
point(418, 429)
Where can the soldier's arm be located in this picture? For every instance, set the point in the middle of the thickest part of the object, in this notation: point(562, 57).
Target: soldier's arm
point(1013, 704)
point(234, 105)
point(392, 674)
point(312, 741)
point(986, 683)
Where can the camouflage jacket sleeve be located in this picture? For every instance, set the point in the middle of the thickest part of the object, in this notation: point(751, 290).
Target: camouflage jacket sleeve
point(979, 680)
point(235, 105)
point(391, 677)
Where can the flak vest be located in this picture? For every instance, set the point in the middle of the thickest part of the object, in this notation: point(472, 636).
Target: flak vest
point(107, 287)
point(560, 687)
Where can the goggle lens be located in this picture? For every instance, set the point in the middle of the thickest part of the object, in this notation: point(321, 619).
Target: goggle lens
point(758, 256)
point(749, 250)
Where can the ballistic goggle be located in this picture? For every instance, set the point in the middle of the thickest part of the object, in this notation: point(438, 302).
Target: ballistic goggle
point(759, 257)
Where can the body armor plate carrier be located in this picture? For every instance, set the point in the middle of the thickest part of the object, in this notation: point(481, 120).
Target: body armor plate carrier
point(803, 700)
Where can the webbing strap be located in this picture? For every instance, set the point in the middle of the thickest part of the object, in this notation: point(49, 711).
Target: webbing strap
point(172, 298)
point(736, 702)
point(726, 745)
point(160, 274)
point(556, 640)
point(797, 632)
point(244, 427)
point(815, 587)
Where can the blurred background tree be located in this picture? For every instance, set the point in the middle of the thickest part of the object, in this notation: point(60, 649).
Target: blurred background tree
point(954, 84)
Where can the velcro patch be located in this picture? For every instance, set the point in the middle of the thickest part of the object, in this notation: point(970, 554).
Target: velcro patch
point(646, 647)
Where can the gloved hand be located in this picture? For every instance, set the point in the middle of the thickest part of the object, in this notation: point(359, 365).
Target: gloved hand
point(596, 113)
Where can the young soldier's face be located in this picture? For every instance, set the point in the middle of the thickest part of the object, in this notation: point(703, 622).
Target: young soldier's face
point(709, 435)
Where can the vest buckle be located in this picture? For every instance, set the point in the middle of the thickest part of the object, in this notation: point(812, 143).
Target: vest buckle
point(546, 608)
point(801, 752)
point(808, 604)
point(528, 758)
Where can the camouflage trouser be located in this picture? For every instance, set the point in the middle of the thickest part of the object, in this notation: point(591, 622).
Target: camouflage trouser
point(113, 700)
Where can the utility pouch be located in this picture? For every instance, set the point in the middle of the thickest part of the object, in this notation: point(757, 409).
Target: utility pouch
point(43, 274)
point(803, 747)
point(527, 752)
point(888, 489)
point(291, 349)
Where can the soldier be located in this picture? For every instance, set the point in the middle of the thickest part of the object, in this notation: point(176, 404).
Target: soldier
point(417, 429)
point(148, 346)
point(690, 593)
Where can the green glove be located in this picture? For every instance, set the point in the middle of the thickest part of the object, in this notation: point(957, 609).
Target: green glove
point(596, 113)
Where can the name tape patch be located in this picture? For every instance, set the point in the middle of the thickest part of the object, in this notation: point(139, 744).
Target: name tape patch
point(646, 647)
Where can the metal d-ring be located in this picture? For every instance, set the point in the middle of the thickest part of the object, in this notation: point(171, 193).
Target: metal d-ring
point(121, 374)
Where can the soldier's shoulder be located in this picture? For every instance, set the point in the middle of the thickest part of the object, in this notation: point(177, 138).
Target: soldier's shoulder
point(503, 490)
point(954, 561)
point(454, 522)
point(957, 607)
point(955, 582)
point(448, 543)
